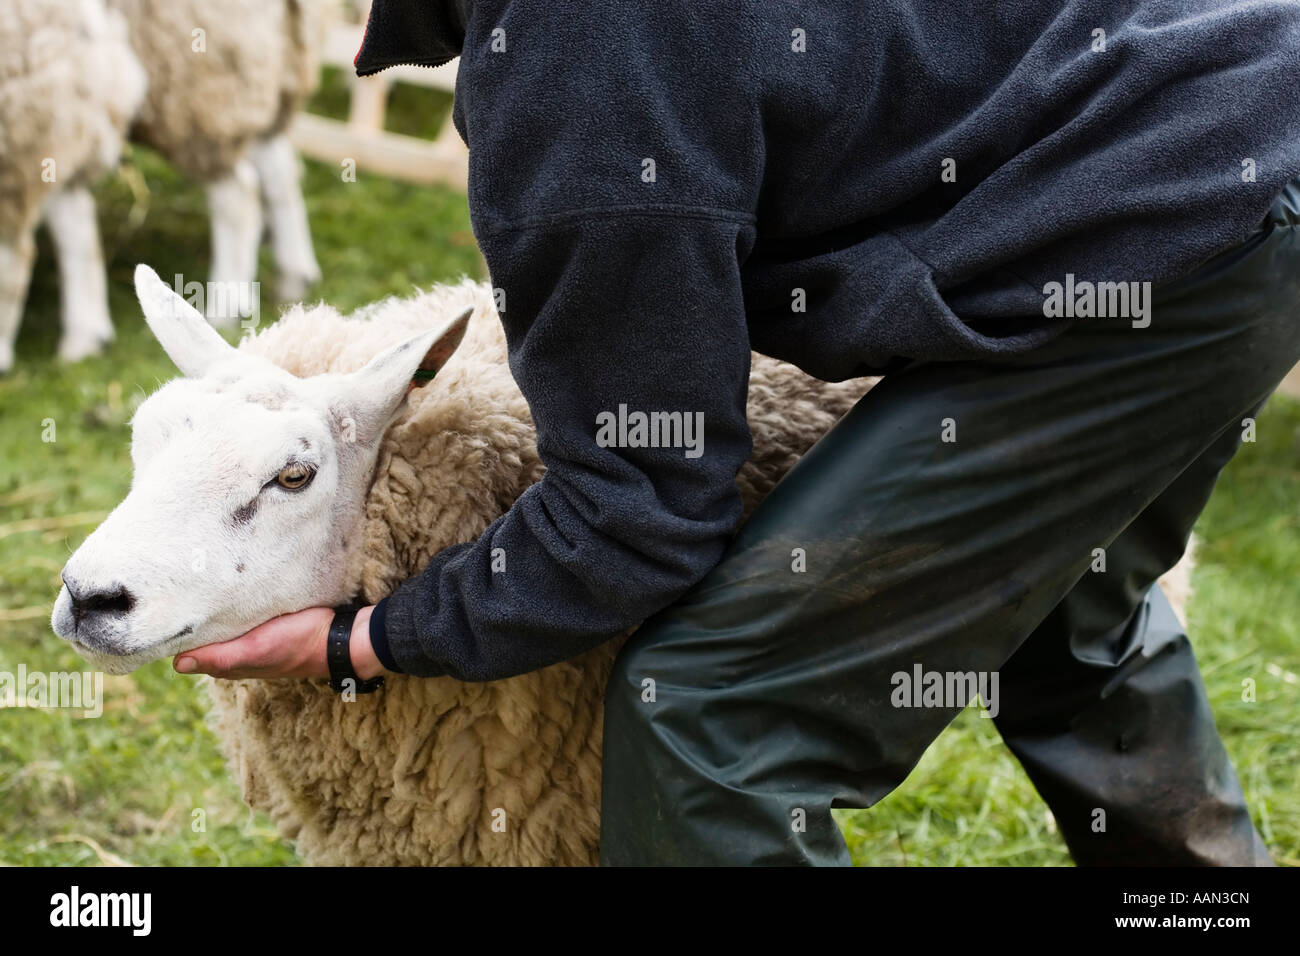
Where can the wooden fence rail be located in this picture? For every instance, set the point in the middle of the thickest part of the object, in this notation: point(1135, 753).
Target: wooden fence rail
point(363, 139)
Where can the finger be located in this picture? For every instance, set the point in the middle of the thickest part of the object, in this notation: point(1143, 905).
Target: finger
point(224, 660)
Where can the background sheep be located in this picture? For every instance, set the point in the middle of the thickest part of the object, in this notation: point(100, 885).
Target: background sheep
point(225, 78)
point(69, 85)
point(221, 79)
point(421, 772)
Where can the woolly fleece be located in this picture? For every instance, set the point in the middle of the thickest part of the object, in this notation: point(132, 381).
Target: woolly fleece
point(67, 54)
point(204, 109)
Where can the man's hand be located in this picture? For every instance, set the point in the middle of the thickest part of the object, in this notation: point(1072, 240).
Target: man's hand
point(292, 645)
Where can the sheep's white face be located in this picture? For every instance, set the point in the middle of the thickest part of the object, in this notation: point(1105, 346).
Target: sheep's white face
point(246, 497)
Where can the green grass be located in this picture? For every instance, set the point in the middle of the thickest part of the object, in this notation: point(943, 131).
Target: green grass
point(126, 785)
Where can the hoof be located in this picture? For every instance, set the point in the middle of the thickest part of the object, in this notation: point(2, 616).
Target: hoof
point(74, 350)
point(294, 288)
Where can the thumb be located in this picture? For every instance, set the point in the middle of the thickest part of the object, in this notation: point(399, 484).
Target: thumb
point(249, 650)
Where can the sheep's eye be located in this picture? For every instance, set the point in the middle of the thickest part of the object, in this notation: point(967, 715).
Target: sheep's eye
point(294, 477)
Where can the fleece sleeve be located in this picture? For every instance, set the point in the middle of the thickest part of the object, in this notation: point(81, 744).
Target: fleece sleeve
point(614, 206)
point(605, 317)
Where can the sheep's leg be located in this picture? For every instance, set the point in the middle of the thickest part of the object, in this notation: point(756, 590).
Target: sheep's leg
point(83, 288)
point(236, 217)
point(286, 216)
point(15, 272)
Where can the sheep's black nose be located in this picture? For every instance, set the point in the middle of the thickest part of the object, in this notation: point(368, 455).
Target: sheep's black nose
point(113, 600)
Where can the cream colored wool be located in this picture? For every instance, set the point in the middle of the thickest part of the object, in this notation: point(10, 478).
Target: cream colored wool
point(415, 773)
point(259, 62)
point(65, 101)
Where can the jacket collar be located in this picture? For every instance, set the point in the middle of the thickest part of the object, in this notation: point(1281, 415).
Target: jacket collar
point(418, 32)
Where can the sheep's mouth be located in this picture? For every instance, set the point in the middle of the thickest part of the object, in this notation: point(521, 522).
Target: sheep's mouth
point(86, 645)
point(164, 647)
point(187, 630)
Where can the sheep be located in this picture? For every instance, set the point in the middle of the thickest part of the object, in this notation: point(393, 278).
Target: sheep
point(210, 84)
point(69, 85)
point(225, 79)
point(428, 771)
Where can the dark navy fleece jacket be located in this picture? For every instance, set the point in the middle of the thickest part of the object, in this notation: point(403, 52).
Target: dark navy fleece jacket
point(660, 187)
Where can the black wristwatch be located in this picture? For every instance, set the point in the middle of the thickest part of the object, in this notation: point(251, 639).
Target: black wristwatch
point(339, 655)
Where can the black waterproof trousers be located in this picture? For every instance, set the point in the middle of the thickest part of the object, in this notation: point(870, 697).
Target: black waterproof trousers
point(737, 718)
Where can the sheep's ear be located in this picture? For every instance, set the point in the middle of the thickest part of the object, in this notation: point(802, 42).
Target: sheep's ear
point(181, 329)
point(376, 391)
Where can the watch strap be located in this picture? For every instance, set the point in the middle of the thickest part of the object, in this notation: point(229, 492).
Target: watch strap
point(338, 654)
